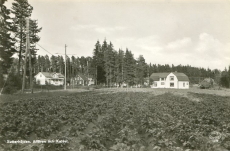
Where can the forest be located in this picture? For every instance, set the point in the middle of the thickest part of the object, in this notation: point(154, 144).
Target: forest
point(107, 65)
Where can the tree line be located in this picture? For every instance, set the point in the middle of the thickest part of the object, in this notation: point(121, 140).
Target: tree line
point(107, 65)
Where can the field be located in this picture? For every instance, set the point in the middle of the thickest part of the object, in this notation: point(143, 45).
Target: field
point(117, 120)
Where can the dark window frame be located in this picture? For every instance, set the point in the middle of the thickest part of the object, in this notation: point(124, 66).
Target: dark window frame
point(172, 84)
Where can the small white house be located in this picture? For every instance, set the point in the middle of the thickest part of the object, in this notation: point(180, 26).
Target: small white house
point(91, 80)
point(52, 78)
point(174, 80)
point(81, 79)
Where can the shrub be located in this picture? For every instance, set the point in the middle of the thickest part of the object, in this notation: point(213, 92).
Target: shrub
point(13, 84)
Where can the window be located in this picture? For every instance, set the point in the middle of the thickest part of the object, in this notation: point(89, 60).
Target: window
point(171, 78)
point(162, 79)
point(183, 84)
point(40, 75)
point(162, 83)
point(155, 84)
point(187, 83)
point(171, 84)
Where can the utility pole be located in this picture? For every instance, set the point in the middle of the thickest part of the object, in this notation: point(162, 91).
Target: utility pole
point(65, 68)
point(27, 47)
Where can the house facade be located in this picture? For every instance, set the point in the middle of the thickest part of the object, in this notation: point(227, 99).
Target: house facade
point(174, 80)
point(51, 78)
point(82, 80)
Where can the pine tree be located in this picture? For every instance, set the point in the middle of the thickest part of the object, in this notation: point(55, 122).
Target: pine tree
point(34, 38)
point(2, 2)
point(6, 42)
point(96, 59)
point(68, 69)
point(47, 63)
point(43, 63)
point(21, 10)
point(73, 66)
point(120, 76)
point(141, 70)
point(129, 68)
point(109, 62)
point(60, 64)
point(53, 62)
point(229, 76)
point(38, 64)
point(83, 65)
point(101, 63)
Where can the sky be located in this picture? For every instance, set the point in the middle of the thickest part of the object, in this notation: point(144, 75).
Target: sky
point(186, 32)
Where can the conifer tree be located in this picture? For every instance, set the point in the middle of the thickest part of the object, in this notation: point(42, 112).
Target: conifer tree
point(47, 63)
point(96, 59)
point(119, 67)
point(100, 70)
point(60, 64)
point(6, 42)
point(34, 38)
point(141, 70)
point(129, 68)
point(109, 61)
point(21, 10)
point(53, 63)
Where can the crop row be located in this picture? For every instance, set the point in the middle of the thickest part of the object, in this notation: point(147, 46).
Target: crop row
point(119, 121)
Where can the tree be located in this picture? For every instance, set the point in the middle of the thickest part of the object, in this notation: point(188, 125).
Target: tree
point(141, 70)
point(2, 2)
point(21, 10)
point(129, 68)
point(96, 59)
point(229, 76)
point(73, 66)
point(59, 64)
point(109, 62)
point(34, 38)
point(53, 62)
point(47, 63)
point(68, 68)
point(224, 80)
point(83, 64)
point(6, 42)
point(120, 67)
point(101, 63)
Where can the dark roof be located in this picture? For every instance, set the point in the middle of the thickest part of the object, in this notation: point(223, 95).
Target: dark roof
point(82, 76)
point(156, 76)
point(180, 76)
point(60, 75)
point(47, 74)
point(50, 74)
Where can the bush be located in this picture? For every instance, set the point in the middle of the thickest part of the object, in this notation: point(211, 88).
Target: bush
point(13, 84)
point(9, 90)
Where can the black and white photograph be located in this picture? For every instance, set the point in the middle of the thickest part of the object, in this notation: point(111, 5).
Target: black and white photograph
point(114, 75)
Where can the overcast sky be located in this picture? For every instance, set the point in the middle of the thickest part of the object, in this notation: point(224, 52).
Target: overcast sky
point(195, 32)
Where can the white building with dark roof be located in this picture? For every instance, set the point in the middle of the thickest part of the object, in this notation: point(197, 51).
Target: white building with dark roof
point(174, 80)
point(52, 78)
point(81, 79)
